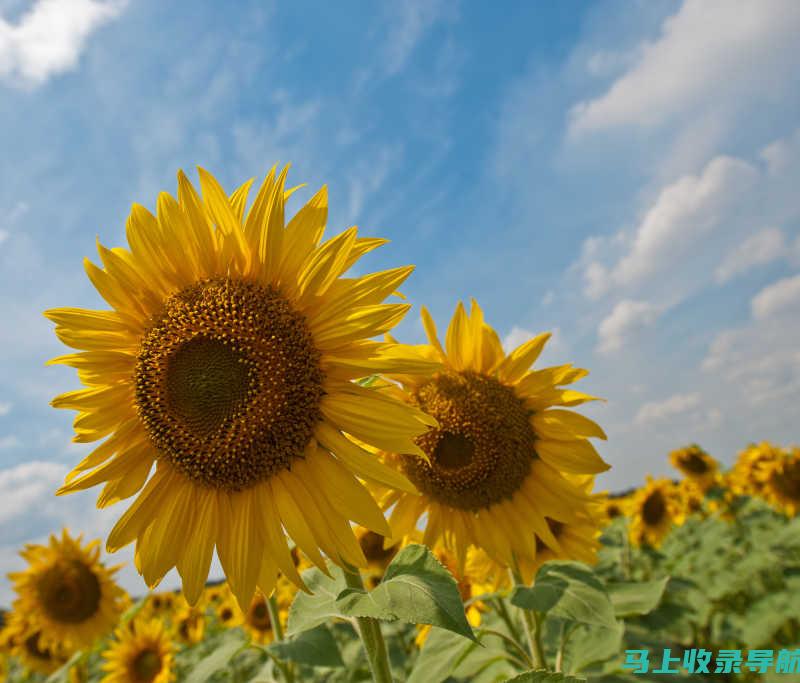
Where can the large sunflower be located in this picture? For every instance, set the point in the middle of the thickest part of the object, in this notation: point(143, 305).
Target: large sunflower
point(695, 464)
point(28, 646)
point(141, 653)
point(654, 509)
point(66, 593)
point(228, 361)
point(497, 462)
point(781, 482)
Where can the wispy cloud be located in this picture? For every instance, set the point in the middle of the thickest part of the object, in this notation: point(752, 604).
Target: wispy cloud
point(50, 37)
point(677, 404)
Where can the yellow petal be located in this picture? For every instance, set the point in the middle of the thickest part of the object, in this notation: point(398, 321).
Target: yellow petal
point(520, 359)
point(578, 456)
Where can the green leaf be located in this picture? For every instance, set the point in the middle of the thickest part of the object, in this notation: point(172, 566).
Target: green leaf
point(230, 644)
point(567, 590)
point(416, 589)
point(315, 647)
point(440, 656)
point(543, 676)
point(309, 611)
point(632, 599)
point(590, 646)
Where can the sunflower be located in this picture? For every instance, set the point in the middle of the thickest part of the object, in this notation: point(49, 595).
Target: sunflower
point(378, 553)
point(229, 614)
point(159, 605)
point(615, 506)
point(215, 594)
point(694, 463)
point(28, 646)
point(142, 653)
point(654, 509)
point(749, 474)
point(692, 496)
point(257, 620)
point(188, 624)
point(228, 360)
point(66, 593)
point(781, 482)
point(496, 465)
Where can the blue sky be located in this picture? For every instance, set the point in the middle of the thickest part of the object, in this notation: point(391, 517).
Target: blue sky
point(623, 173)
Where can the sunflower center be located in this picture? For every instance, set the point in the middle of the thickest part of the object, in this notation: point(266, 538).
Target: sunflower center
point(695, 463)
point(226, 614)
point(654, 508)
point(146, 666)
point(228, 383)
point(259, 616)
point(69, 592)
point(372, 546)
point(483, 449)
point(787, 482)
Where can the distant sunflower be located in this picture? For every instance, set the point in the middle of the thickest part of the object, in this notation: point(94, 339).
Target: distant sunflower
point(654, 509)
point(188, 624)
point(159, 605)
point(26, 645)
point(378, 553)
point(66, 593)
point(748, 475)
point(694, 463)
point(257, 621)
point(142, 653)
point(781, 482)
point(615, 507)
point(229, 614)
point(228, 361)
point(692, 496)
point(496, 465)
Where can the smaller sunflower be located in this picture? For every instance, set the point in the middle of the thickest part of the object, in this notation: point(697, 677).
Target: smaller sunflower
point(142, 653)
point(781, 482)
point(215, 594)
point(258, 621)
point(66, 593)
point(377, 554)
point(229, 614)
point(692, 496)
point(188, 624)
point(654, 509)
point(747, 476)
point(615, 506)
point(696, 464)
point(28, 646)
point(159, 605)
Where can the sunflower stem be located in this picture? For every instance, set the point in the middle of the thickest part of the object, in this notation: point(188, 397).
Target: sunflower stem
point(370, 632)
point(277, 631)
point(533, 629)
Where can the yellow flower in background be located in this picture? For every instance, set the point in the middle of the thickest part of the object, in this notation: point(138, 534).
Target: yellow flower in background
point(215, 594)
point(29, 648)
point(692, 496)
point(142, 653)
point(188, 624)
point(616, 506)
point(66, 593)
point(654, 509)
point(747, 476)
point(496, 466)
point(159, 605)
point(781, 482)
point(693, 462)
point(227, 360)
point(378, 552)
point(228, 613)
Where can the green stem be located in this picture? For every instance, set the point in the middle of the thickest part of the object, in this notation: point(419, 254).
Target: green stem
point(371, 637)
point(526, 660)
point(287, 668)
point(502, 611)
point(532, 628)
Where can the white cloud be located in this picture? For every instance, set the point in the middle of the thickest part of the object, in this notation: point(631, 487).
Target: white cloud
point(710, 54)
point(50, 38)
point(683, 214)
point(409, 22)
point(674, 405)
point(5, 408)
point(779, 298)
point(763, 247)
point(627, 318)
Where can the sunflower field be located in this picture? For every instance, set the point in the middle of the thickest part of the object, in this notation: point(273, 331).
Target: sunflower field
point(381, 511)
